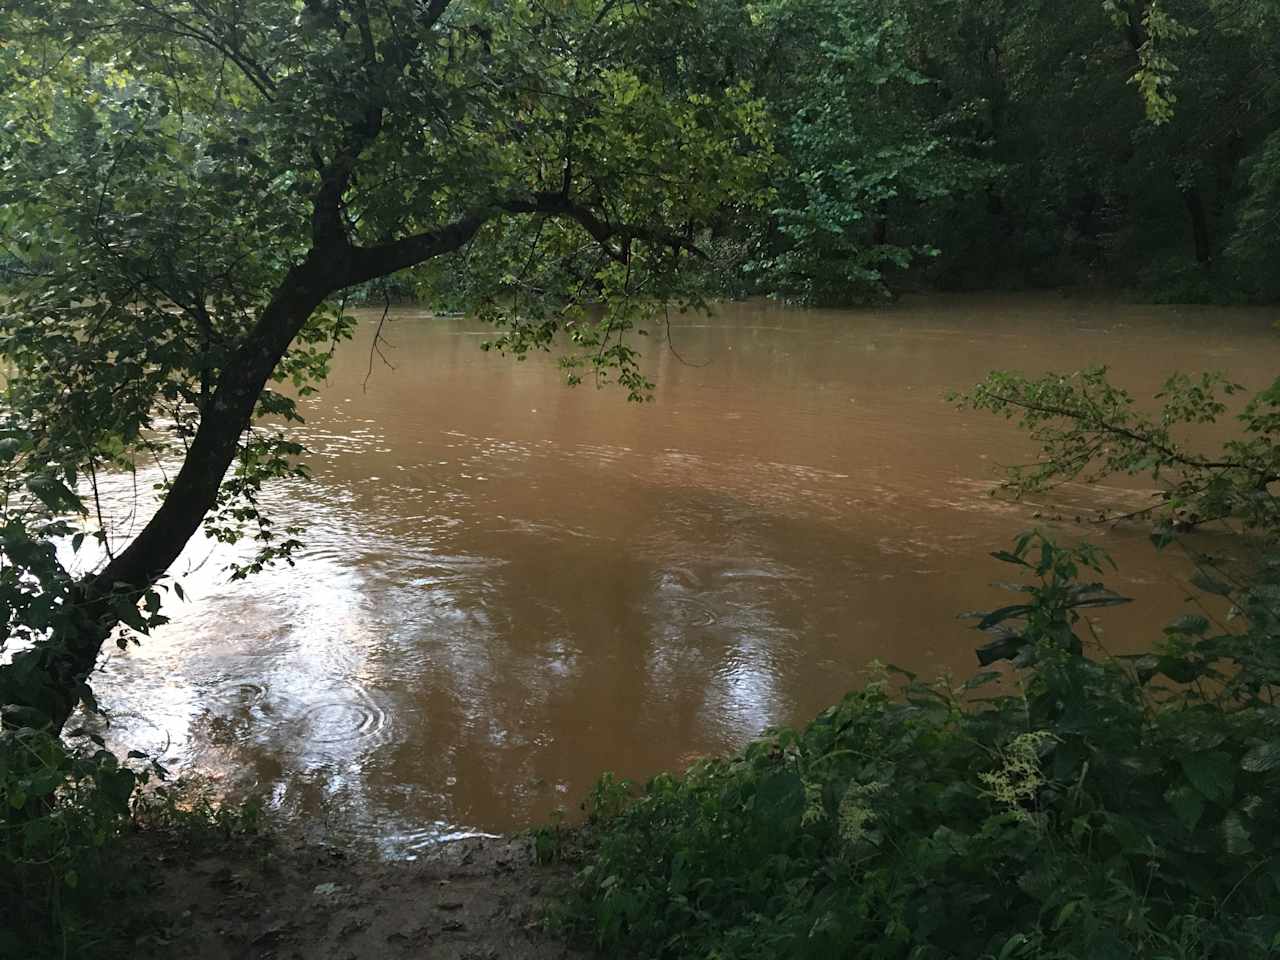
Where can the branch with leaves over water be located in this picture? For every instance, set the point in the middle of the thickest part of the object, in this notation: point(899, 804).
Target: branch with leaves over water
point(1088, 429)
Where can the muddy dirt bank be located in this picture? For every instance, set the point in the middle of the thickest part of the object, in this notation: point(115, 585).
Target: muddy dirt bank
point(258, 898)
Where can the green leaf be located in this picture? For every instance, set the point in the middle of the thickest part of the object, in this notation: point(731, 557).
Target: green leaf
point(1004, 613)
point(1008, 557)
point(1262, 758)
point(1235, 834)
point(1065, 914)
point(1187, 804)
point(1093, 597)
point(1190, 623)
point(980, 679)
point(1013, 946)
point(1212, 772)
point(54, 494)
point(1210, 584)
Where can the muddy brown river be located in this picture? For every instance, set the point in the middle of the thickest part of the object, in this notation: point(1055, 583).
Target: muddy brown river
point(510, 586)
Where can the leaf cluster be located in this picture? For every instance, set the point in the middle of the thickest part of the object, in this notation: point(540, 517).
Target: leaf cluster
point(1087, 429)
point(67, 809)
point(61, 810)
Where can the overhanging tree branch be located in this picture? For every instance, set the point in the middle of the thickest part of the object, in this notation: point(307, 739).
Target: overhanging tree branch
point(368, 263)
point(254, 72)
point(1106, 427)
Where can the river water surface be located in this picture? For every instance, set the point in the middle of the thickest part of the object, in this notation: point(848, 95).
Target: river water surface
point(511, 586)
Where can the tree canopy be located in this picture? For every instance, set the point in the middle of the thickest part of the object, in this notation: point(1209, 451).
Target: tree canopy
point(973, 144)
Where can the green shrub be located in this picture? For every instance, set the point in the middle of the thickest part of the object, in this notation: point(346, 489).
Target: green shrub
point(65, 816)
point(60, 812)
point(1101, 811)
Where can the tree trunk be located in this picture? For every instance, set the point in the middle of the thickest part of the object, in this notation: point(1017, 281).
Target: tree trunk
point(1199, 224)
point(50, 678)
point(1135, 25)
point(1227, 164)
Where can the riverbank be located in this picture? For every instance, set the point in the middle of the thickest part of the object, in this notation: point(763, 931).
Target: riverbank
point(265, 896)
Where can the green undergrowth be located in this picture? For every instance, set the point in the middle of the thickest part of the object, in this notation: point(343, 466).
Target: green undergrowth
point(1107, 807)
point(71, 884)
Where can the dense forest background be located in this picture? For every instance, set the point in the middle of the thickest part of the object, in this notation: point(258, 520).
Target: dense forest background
point(997, 144)
point(1008, 144)
point(1004, 144)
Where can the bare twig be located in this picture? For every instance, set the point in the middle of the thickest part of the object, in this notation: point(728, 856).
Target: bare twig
point(97, 507)
point(377, 337)
point(666, 309)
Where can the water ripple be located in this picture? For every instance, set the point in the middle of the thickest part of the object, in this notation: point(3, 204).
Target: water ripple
point(342, 721)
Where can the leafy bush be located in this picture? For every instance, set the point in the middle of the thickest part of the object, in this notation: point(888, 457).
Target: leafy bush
point(1113, 807)
point(60, 811)
point(64, 812)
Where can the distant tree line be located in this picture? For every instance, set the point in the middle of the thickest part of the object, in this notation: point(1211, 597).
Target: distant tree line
point(963, 144)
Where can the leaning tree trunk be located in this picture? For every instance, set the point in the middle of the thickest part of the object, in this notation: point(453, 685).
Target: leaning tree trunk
point(49, 679)
point(880, 230)
point(1194, 201)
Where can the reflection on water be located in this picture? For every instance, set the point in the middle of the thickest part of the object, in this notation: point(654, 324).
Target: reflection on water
point(510, 586)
